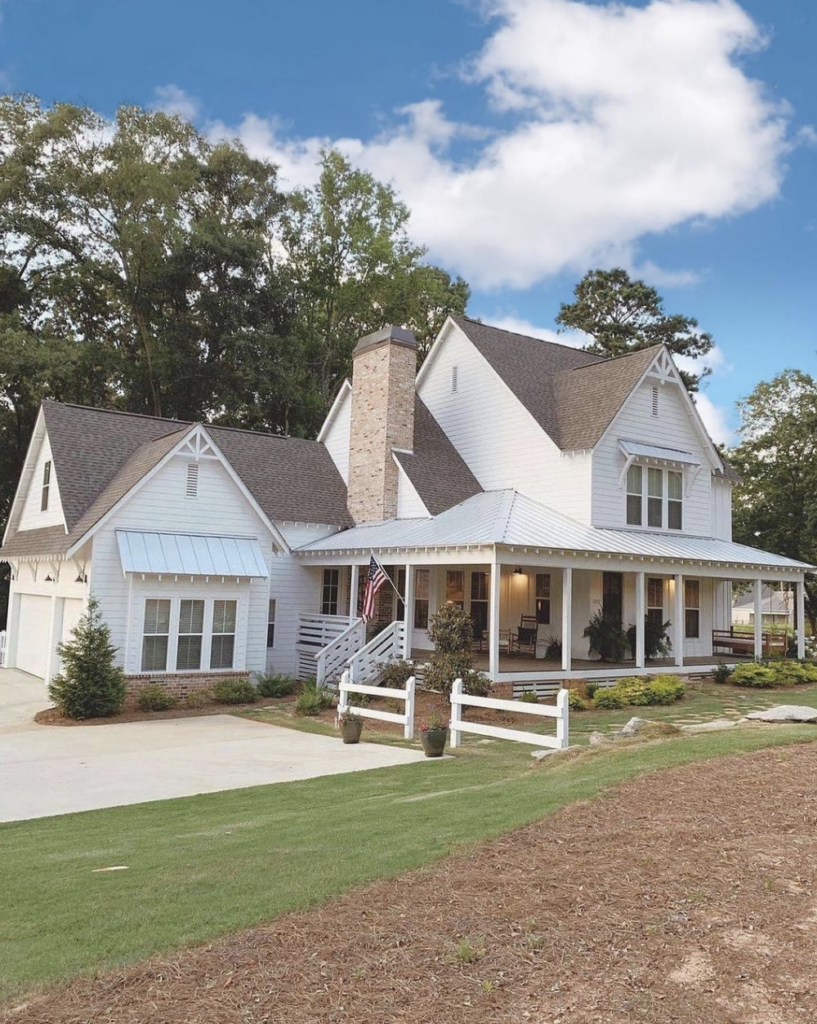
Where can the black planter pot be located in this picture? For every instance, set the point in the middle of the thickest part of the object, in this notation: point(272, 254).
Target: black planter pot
point(434, 741)
point(350, 731)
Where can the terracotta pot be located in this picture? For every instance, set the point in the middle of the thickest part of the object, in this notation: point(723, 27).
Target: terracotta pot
point(351, 730)
point(434, 741)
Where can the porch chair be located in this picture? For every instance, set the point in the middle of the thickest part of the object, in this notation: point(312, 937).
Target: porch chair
point(525, 638)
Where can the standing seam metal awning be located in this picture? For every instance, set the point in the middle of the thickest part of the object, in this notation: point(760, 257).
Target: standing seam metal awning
point(187, 554)
point(654, 451)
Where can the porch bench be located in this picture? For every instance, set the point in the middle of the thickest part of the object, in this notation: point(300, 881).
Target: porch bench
point(744, 643)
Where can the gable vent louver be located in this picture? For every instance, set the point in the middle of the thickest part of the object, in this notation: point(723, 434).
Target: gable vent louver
point(192, 485)
point(455, 379)
point(655, 401)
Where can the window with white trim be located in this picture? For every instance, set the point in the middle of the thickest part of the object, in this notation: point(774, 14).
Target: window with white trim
point(635, 490)
point(422, 586)
point(155, 635)
point(675, 500)
point(655, 601)
point(661, 506)
point(655, 498)
point(543, 598)
point(271, 624)
point(330, 593)
point(692, 609)
point(46, 486)
point(222, 644)
point(191, 632)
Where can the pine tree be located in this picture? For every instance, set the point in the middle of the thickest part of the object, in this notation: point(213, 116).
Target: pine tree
point(91, 684)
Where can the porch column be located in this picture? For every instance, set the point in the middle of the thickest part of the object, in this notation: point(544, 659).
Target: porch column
point(758, 593)
point(354, 583)
point(678, 621)
point(567, 618)
point(493, 620)
point(408, 611)
point(640, 612)
point(800, 615)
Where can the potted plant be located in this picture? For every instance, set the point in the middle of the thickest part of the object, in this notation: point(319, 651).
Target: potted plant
point(434, 735)
point(351, 725)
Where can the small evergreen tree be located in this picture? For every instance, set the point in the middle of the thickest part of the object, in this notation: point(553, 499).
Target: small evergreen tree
point(91, 685)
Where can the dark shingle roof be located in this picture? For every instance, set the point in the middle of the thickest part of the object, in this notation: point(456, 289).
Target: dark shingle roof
point(436, 469)
point(573, 395)
point(100, 454)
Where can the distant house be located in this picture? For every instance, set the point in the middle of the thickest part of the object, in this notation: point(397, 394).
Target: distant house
point(531, 483)
point(777, 608)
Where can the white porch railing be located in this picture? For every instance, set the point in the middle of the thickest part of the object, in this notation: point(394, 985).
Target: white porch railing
point(2, 648)
point(459, 700)
point(316, 632)
point(332, 660)
point(386, 646)
point(407, 695)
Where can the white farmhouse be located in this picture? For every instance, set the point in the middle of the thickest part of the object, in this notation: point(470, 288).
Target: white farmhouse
point(531, 483)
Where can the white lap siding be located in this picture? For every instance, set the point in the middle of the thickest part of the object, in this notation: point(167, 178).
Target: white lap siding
point(161, 505)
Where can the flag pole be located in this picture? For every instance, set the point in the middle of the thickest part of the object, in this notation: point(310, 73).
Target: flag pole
point(391, 581)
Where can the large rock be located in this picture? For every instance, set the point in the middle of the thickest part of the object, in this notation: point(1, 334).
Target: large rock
point(633, 727)
point(714, 726)
point(784, 713)
point(597, 738)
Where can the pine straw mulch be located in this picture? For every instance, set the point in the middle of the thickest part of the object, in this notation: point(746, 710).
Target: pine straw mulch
point(684, 896)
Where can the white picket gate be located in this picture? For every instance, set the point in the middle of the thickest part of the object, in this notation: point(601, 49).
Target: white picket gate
point(460, 700)
point(407, 696)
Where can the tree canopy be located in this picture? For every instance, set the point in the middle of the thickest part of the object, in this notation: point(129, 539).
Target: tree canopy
point(774, 507)
point(621, 315)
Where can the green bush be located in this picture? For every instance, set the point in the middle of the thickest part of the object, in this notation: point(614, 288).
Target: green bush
point(443, 669)
point(90, 685)
point(529, 697)
point(198, 699)
point(553, 650)
point(591, 689)
point(755, 675)
point(576, 702)
point(606, 638)
point(607, 698)
point(666, 689)
point(721, 673)
point(795, 673)
point(234, 691)
point(657, 643)
point(313, 699)
point(395, 674)
point(272, 684)
point(154, 697)
point(475, 684)
point(451, 630)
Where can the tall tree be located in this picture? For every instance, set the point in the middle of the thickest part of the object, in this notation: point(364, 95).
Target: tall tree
point(621, 315)
point(777, 459)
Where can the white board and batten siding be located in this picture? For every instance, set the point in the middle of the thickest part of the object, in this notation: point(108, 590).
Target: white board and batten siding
point(219, 508)
point(721, 509)
point(32, 517)
point(502, 444)
point(673, 427)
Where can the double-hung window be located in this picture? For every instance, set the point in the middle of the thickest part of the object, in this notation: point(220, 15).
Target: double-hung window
point(422, 581)
point(156, 634)
point(46, 487)
point(635, 491)
point(659, 505)
point(692, 609)
point(191, 630)
point(675, 501)
point(330, 592)
point(543, 598)
point(222, 644)
point(271, 624)
point(655, 498)
point(455, 587)
point(655, 601)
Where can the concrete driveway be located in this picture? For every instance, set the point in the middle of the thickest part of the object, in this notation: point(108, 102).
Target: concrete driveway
point(48, 770)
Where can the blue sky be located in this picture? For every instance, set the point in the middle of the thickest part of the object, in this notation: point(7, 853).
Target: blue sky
point(533, 139)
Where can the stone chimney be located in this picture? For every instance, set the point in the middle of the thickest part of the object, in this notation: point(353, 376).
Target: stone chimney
point(384, 368)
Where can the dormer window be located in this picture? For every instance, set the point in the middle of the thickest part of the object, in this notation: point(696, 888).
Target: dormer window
point(46, 486)
point(191, 489)
point(661, 504)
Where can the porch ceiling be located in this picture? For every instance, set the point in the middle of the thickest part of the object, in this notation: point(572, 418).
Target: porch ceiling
point(509, 520)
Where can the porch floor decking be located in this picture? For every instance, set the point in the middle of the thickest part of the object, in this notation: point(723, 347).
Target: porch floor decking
point(537, 666)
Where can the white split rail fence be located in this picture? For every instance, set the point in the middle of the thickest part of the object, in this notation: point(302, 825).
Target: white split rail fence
point(458, 726)
point(407, 696)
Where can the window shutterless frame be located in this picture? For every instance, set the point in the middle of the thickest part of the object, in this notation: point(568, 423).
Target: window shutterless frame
point(46, 486)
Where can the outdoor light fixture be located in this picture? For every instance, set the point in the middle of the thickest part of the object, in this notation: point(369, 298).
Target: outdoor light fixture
point(518, 571)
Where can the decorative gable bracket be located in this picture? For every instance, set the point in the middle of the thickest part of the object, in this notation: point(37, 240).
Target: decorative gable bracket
point(198, 445)
point(663, 369)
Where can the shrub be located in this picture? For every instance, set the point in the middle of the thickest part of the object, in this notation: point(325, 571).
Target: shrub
point(608, 698)
point(657, 643)
point(529, 697)
point(395, 674)
point(475, 684)
point(755, 675)
point(721, 673)
point(606, 638)
point(443, 669)
point(154, 697)
point(795, 673)
point(451, 630)
point(591, 689)
point(576, 702)
point(90, 685)
point(666, 690)
point(553, 650)
point(234, 691)
point(272, 684)
point(313, 699)
point(198, 699)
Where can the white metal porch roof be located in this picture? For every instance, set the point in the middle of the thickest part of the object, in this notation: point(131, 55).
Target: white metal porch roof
point(187, 554)
point(507, 518)
point(654, 451)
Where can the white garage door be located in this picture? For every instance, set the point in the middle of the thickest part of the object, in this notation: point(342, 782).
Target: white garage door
point(32, 636)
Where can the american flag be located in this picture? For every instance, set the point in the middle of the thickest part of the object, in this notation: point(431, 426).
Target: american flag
point(375, 578)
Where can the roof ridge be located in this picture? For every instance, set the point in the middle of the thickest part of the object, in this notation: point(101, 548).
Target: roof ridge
point(531, 337)
point(608, 360)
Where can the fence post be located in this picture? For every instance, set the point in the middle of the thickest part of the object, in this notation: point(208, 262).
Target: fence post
point(456, 713)
point(342, 703)
point(562, 726)
point(408, 729)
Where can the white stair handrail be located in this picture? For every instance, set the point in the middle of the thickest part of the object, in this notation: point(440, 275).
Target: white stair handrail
point(336, 654)
point(387, 645)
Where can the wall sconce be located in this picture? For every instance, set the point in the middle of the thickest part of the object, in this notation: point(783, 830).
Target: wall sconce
point(518, 571)
point(49, 579)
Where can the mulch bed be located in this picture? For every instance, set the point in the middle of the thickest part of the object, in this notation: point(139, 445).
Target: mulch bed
point(52, 716)
point(687, 896)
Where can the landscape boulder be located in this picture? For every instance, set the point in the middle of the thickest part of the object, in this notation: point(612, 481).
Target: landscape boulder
point(784, 713)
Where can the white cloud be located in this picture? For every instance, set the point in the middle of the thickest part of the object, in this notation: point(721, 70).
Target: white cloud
point(716, 419)
point(172, 100)
point(616, 122)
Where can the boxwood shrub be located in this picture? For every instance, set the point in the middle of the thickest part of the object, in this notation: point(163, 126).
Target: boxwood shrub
point(640, 691)
point(155, 697)
point(234, 691)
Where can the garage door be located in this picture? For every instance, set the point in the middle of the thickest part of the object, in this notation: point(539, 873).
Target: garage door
point(32, 636)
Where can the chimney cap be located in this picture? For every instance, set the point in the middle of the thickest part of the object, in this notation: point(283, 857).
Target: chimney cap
point(386, 336)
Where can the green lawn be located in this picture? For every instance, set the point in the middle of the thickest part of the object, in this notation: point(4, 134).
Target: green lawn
point(202, 866)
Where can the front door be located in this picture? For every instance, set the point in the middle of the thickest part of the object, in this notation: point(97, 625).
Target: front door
point(612, 598)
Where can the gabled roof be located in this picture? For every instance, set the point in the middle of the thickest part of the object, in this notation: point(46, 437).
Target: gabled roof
point(99, 455)
point(573, 395)
point(435, 468)
point(507, 518)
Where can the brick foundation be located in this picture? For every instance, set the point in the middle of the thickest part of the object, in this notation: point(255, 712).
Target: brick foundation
point(179, 684)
